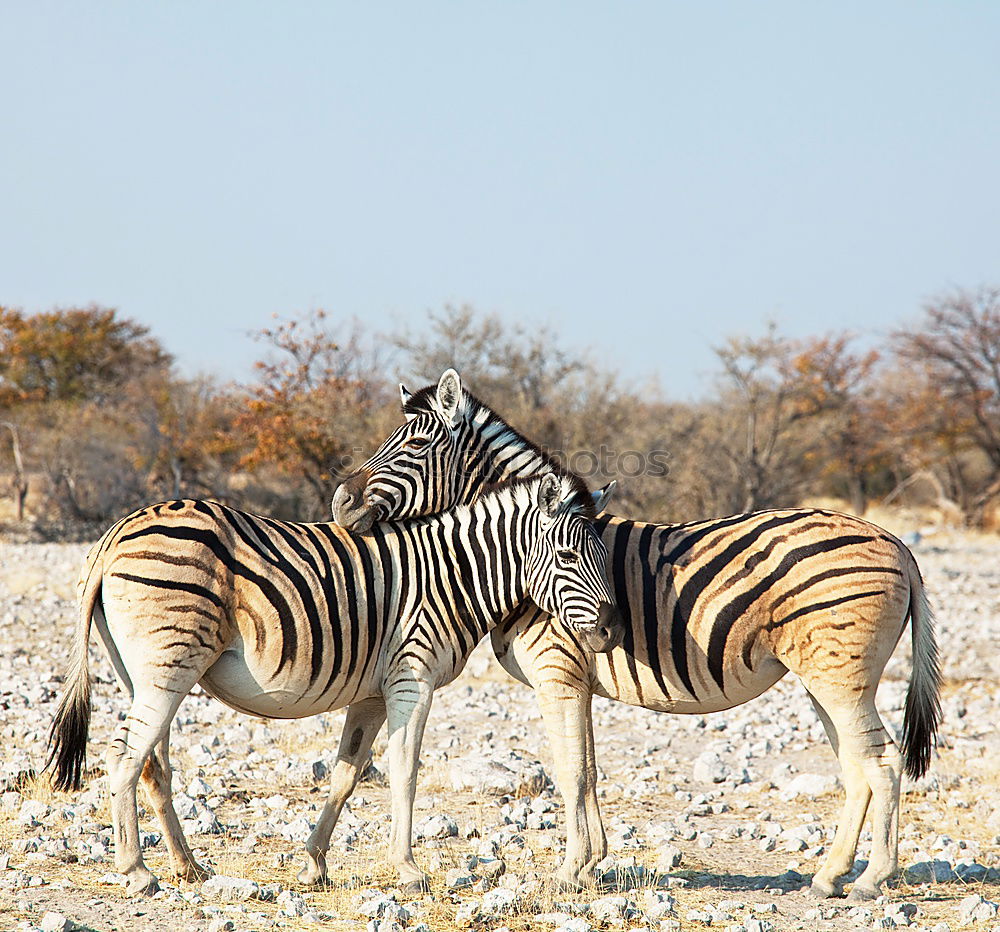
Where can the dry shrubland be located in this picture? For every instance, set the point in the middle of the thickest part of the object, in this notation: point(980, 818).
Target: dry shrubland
point(95, 420)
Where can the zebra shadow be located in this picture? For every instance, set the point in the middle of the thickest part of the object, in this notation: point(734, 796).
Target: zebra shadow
point(628, 879)
point(925, 872)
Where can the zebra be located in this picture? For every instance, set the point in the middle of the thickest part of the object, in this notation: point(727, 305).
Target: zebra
point(285, 620)
point(716, 612)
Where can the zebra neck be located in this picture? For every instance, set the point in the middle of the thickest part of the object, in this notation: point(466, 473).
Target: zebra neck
point(478, 556)
point(502, 454)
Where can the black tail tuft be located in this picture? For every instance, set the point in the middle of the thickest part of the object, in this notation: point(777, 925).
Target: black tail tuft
point(922, 714)
point(68, 740)
point(920, 724)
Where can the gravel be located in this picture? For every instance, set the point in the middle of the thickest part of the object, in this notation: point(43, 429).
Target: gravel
point(712, 820)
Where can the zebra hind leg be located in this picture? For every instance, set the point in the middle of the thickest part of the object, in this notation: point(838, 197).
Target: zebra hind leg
point(146, 725)
point(883, 767)
point(867, 753)
point(827, 880)
point(155, 779)
point(364, 719)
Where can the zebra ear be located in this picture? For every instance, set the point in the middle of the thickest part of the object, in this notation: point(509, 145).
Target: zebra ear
point(602, 496)
point(449, 395)
point(549, 494)
point(404, 396)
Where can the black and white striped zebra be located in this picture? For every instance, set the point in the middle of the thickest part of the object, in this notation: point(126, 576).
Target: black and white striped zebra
point(716, 612)
point(286, 620)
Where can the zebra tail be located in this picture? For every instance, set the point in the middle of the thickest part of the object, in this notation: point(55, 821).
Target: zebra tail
point(922, 713)
point(67, 745)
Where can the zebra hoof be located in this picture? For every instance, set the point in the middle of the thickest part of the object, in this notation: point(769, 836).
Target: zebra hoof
point(312, 875)
point(569, 884)
point(144, 884)
point(824, 891)
point(416, 887)
point(192, 872)
point(862, 894)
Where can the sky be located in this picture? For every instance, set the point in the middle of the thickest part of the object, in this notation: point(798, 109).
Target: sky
point(645, 178)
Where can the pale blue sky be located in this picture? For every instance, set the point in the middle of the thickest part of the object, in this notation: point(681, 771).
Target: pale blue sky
point(645, 177)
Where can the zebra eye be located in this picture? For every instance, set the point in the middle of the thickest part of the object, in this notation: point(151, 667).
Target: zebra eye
point(416, 443)
point(567, 557)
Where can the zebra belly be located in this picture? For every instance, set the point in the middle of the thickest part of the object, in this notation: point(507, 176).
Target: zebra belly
point(641, 688)
point(248, 688)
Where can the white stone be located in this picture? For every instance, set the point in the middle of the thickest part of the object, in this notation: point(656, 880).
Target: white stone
point(512, 775)
point(576, 924)
point(657, 905)
point(291, 903)
point(185, 806)
point(382, 906)
point(436, 826)
point(709, 767)
point(198, 787)
point(229, 889)
point(609, 908)
point(975, 908)
point(459, 879)
point(810, 785)
point(54, 922)
point(668, 857)
point(498, 902)
point(297, 830)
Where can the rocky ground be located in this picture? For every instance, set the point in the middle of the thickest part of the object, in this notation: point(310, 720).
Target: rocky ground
point(716, 820)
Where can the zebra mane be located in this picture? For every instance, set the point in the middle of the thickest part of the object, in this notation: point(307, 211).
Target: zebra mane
point(488, 423)
point(579, 500)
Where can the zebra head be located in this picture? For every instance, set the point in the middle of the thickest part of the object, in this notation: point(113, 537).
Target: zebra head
point(449, 449)
point(418, 469)
point(567, 561)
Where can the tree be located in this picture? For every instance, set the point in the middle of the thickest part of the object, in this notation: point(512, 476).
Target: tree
point(523, 367)
point(64, 375)
point(954, 409)
point(759, 431)
point(19, 483)
point(179, 435)
point(834, 385)
point(565, 401)
point(85, 354)
point(313, 406)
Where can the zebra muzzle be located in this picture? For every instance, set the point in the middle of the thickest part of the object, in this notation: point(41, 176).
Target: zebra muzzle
point(607, 633)
point(350, 508)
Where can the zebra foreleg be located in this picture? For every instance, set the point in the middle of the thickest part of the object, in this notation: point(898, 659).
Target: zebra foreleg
point(595, 824)
point(408, 703)
point(566, 714)
point(156, 779)
point(364, 719)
